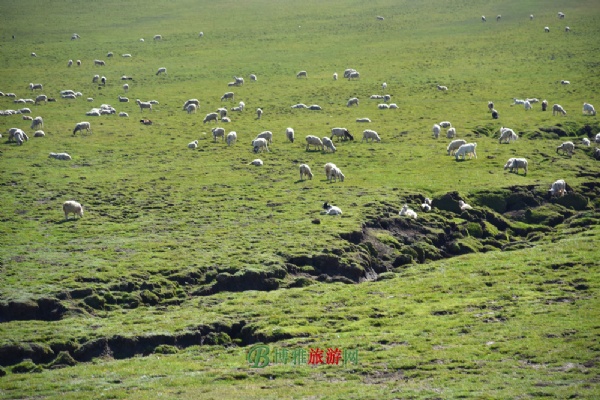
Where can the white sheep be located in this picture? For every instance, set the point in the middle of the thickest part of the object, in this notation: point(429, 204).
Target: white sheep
point(228, 96)
point(289, 134)
point(445, 124)
point(568, 147)
point(464, 206)
point(211, 117)
point(313, 141)
point(305, 170)
point(341, 132)
point(507, 135)
point(72, 207)
point(267, 135)
point(144, 105)
point(328, 209)
point(161, 70)
point(260, 144)
point(231, 138)
point(218, 132)
point(363, 120)
point(193, 145)
point(587, 109)
point(328, 144)
point(352, 102)
point(370, 134)
point(557, 109)
point(60, 156)
point(465, 149)
point(37, 121)
point(451, 133)
point(516, 163)
point(436, 130)
point(191, 108)
point(302, 74)
point(558, 188)
point(405, 211)
point(455, 145)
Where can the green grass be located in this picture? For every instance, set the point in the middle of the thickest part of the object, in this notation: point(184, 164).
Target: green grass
point(173, 221)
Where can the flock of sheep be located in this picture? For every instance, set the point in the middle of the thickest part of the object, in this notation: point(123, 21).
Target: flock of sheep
point(457, 147)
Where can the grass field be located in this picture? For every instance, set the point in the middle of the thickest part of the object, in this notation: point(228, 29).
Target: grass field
point(185, 258)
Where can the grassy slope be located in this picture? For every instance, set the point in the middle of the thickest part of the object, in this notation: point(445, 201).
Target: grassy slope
point(152, 206)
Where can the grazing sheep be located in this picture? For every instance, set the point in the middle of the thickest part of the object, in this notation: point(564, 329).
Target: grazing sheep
point(328, 209)
point(259, 145)
point(341, 132)
point(259, 113)
point(465, 149)
point(146, 121)
point(257, 162)
point(191, 108)
point(253, 77)
point(193, 145)
point(507, 135)
point(72, 207)
point(370, 134)
point(464, 206)
point(315, 107)
point(557, 109)
point(81, 126)
point(352, 102)
point(313, 141)
point(568, 147)
point(227, 96)
point(144, 105)
point(305, 170)
point(405, 211)
point(328, 144)
point(544, 105)
point(442, 88)
point(211, 117)
point(60, 156)
point(363, 120)
point(39, 134)
point(218, 132)
point(558, 188)
point(335, 76)
point(37, 121)
point(302, 74)
point(586, 142)
point(289, 134)
point(516, 163)
point(267, 135)
point(300, 106)
point(161, 70)
point(455, 145)
point(451, 133)
point(546, 29)
point(445, 124)
point(587, 109)
point(436, 130)
point(231, 138)
point(99, 62)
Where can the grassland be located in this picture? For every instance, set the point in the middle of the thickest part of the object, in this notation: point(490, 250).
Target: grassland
point(150, 289)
